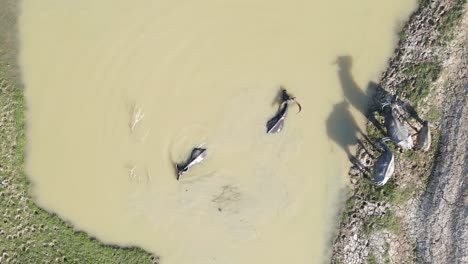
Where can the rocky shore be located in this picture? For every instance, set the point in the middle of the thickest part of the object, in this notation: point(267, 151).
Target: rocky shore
point(420, 215)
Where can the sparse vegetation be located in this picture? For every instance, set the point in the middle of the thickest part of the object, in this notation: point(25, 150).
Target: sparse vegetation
point(419, 78)
point(373, 132)
point(402, 35)
point(414, 255)
point(371, 259)
point(374, 193)
point(434, 114)
point(435, 150)
point(29, 234)
point(387, 254)
point(450, 20)
point(389, 222)
point(347, 210)
point(416, 82)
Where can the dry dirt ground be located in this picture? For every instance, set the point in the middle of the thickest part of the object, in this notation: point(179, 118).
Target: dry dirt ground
point(421, 214)
point(441, 222)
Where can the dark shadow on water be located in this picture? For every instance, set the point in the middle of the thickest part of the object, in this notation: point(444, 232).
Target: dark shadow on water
point(343, 129)
point(362, 100)
point(369, 101)
point(358, 98)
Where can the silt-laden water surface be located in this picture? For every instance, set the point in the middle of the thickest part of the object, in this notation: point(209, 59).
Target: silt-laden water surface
point(117, 91)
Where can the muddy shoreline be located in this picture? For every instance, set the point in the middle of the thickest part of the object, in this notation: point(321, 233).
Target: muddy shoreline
point(420, 215)
point(430, 212)
point(29, 234)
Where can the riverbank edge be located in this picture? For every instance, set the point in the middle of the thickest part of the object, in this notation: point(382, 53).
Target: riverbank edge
point(29, 234)
point(419, 215)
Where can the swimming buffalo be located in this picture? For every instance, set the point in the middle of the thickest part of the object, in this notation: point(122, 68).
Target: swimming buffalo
point(276, 123)
point(197, 156)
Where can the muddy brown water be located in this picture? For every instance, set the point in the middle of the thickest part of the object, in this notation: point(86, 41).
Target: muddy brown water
point(117, 91)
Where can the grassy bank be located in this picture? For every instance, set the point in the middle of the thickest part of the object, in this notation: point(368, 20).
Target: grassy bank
point(29, 234)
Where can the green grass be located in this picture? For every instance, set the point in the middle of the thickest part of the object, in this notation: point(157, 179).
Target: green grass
point(409, 155)
point(374, 193)
point(389, 222)
point(419, 78)
point(402, 34)
point(347, 210)
point(371, 259)
point(387, 254)
point(401, 195)
point(414, 255)
point(29, 234)
point(337, 261)
point(390, 192)
point(424, 3)
point(434, 114)
point(450, 20)
point(416, 88)
point(434, 149)
point(373, 132)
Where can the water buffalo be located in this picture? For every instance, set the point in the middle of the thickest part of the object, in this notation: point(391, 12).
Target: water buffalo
point(276, 123)
point(385, 164)
point(424, 137)
point(397, 131)
point(197, 156)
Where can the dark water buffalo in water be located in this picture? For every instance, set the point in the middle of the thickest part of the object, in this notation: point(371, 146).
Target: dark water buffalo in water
point(385, 164)
point(397, 132)
point(276, 123)
point(424, 137)
point(197, 156)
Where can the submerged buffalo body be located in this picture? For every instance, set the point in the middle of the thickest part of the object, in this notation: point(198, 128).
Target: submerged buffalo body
point(197, 156)
point(276, 123)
